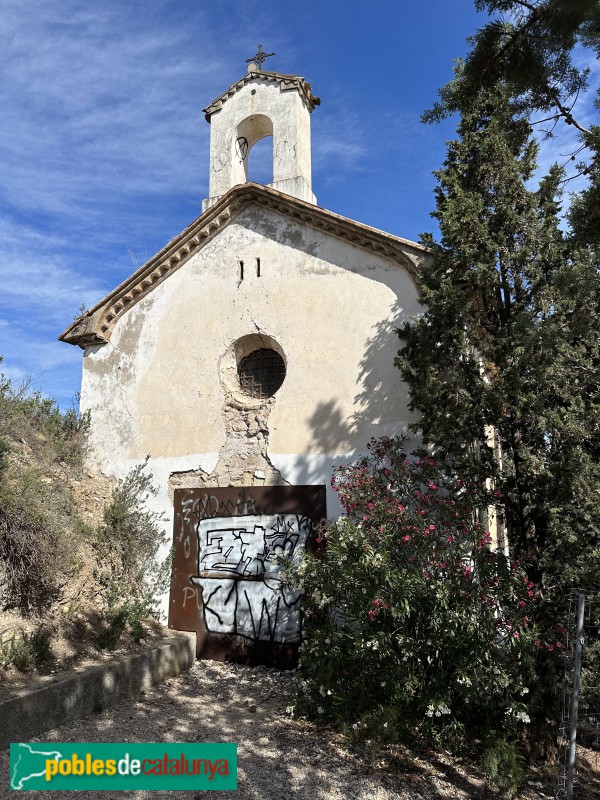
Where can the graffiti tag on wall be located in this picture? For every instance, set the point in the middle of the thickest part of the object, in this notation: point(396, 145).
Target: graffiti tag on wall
point(229, 549)
point(239, 569)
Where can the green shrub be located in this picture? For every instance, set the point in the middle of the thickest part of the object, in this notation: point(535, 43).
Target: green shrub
point(25, 651)
point(36, 556)
point(127, 615)
point(29, 416)
point(412, 624)
point(503, 764)
point(4, 451)
point(127, 549)
point(39, 529)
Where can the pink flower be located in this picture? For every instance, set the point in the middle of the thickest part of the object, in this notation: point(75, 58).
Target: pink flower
point(516, 634)
point(559, 644)
point(406, 538)
point(551, 647)
point(432, 527)
point(521, 603)
point(432, 485)
point(370, 506)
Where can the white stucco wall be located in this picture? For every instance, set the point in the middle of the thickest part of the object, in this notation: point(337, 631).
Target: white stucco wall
point(332, 307)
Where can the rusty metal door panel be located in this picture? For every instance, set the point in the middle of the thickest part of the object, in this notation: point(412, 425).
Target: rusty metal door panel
point(226, 584)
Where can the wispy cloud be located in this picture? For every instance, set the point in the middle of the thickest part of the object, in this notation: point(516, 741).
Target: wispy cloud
point(104, 147)
point(37, 281)
point(339, 137)
point(79, 112)
point(102, 133)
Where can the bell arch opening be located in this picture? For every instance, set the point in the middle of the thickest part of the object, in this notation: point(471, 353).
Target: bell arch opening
point(252, 163)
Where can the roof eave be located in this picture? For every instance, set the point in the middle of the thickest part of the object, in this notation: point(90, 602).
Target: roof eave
point(96, 325)
point(287, 82)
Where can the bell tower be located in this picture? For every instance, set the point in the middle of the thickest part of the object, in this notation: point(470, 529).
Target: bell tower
point(262, 104)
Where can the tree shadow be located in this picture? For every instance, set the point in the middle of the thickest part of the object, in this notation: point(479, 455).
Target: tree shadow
point(278, 756)
point(380, 403)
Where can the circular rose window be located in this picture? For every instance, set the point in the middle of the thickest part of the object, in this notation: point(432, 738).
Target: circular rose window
point(261, 373)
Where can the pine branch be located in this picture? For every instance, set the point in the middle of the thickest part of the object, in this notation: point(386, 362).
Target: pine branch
point(532, 8)
point(566, 113)
point(536, 15)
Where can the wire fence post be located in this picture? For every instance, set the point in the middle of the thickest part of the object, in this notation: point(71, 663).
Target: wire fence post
point(575, 697)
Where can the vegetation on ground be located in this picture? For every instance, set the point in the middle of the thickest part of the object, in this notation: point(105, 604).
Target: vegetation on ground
point(128, 566)
point(503, 367)
point(50, 557)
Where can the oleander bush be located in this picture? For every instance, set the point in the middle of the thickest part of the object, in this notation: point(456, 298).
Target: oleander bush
point(412, 622)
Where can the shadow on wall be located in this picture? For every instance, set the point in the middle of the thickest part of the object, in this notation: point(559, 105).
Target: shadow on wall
point(382, 394)
point(381, 398)
point(381, 408)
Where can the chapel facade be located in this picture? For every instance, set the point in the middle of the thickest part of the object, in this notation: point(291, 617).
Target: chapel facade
point(247, 358)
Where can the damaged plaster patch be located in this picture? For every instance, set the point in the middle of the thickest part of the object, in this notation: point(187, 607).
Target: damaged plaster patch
point(188, 479)
point(244, 458)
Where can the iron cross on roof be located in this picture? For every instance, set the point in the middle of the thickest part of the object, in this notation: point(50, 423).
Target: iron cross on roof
point(260, 57)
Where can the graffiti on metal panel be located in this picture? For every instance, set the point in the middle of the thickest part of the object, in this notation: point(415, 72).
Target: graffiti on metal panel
point(239, 563)
point(208, 506)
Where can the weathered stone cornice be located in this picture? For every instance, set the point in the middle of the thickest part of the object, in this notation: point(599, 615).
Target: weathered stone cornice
point(286, 83)
point(95, 326)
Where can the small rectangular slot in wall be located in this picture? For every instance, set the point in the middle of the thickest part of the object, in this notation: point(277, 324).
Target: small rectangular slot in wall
point(241, 271)
point(258, 267)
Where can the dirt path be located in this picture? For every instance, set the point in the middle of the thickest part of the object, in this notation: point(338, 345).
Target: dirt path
point(279, 757)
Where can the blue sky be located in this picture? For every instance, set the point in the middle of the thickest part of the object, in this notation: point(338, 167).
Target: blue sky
point(104, 147)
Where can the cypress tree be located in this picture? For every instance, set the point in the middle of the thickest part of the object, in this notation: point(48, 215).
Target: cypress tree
point(504, 364)
point(508, 344)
